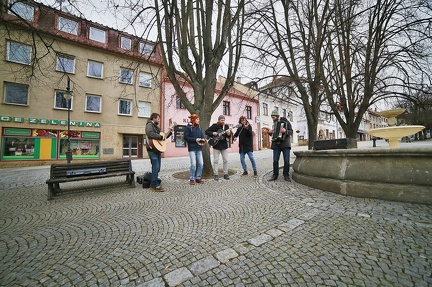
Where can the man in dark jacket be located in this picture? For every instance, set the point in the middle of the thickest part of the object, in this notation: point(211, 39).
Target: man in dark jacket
point(194, 137)
point(221, 147)
point(153, 132)
point(281, 145)
point(245, 136)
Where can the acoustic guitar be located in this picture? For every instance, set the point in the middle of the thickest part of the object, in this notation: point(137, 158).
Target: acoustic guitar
point(214, 140)
point(160, 145)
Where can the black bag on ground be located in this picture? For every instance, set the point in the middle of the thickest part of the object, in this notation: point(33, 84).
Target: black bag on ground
point(146, 178)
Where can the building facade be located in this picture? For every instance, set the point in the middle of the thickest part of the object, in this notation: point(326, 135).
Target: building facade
point(113, 78)
point(235, 104)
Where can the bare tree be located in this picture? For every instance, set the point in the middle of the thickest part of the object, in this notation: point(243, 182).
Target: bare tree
point(195, 37)
point(377, 50)
point(290, 36)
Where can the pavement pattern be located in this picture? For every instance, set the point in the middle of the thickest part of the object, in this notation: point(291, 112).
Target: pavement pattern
point(240, 232)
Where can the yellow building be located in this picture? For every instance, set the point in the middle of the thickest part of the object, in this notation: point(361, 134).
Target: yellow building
point(113, 78)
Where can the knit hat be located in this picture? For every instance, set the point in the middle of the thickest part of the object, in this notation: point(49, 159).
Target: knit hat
point(275, 113)
point(221, 117)
point(193, 117)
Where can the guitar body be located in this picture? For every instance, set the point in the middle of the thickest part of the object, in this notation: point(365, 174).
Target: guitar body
point(158, 145)
point(214, 140)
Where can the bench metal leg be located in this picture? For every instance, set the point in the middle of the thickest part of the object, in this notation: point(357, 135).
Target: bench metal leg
point(50, 191)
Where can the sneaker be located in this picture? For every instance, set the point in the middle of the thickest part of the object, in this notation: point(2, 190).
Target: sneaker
point(192, 182)
point(216, 177)
point(287, 178)
point(199, 180)
point(158, 189)
point(255, 173)
point(226, 176)
point(245, 173)
point(273, 178)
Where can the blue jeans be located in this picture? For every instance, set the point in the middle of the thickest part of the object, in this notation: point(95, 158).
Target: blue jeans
point(196, 157)
point(286, 160)
point(155, 159)
point(243, 160)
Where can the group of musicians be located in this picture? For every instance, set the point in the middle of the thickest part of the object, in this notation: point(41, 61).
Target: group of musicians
point(220, 135)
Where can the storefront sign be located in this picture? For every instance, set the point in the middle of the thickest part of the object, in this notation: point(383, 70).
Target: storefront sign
point(17, 132)
point(90, 135)
point(49, 122)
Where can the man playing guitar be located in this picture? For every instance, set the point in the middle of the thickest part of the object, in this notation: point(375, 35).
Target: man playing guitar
point(153, 132)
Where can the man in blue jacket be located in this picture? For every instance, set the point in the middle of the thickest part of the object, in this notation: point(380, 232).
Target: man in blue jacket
point(194, 137)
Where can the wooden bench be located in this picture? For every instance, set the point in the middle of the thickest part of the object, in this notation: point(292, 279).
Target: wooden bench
point(89, 170)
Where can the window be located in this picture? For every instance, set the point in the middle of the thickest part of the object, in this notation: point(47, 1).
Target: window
point(248, 112)
point(97, 35)
point(179, 103)
point(60, 102)
point(144, 109)
point(145, 48)
point(16, 94)
point(125, 107)
point(226, 108)
point(125, 43)
point(95, 69)
point(93, 103)
point(145, 79)
point(275, 108)
point(67, 25)
point(22, 10)
point(265, 109)
point(66, 64)
point(19, 53)
point(126, 76)
point(284, 114)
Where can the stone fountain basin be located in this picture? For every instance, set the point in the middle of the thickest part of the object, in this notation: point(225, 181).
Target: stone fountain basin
point(395, 132)
point(403, 174)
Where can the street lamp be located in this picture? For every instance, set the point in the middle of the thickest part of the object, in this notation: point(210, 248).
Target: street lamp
point(68, 96)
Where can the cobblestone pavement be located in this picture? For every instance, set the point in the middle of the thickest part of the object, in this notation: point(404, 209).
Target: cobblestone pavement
point(240, 232)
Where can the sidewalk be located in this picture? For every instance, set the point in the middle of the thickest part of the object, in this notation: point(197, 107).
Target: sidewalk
point(238, 232)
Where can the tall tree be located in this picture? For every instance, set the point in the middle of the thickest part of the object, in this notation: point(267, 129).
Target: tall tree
point(290, 36)
point(195, 37)
point(377, 50)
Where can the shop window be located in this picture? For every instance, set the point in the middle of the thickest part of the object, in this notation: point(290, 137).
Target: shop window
point(22, 10)
point(95, 69)
point(97, 35)
point(125, 107)
point(16, 94)
point(125, 43)
point(126, 76)
point(146, 48)
point(18, 53)
point(65, 63)
point(93, 103)
point(67, 25)
point(145, 80)
point(60, 101)
point(144, 109)
point(18, 147)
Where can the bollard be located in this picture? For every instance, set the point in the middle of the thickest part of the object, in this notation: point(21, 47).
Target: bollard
point(374, 141)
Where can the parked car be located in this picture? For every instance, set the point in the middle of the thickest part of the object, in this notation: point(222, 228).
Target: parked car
point(409, 139)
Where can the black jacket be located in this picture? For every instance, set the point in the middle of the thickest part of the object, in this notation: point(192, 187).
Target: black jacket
point(223, 143)
point(287, 141)
point(245, 137)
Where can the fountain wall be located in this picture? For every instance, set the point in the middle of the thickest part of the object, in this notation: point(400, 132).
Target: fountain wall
point(403, 174)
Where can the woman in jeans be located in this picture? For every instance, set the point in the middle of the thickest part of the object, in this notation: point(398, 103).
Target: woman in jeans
point(194, 137)
point(245, 136)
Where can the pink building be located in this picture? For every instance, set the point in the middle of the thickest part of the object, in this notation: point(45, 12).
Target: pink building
point(234, 105)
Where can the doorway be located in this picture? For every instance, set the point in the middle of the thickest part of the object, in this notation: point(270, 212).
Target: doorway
point(132, 146)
